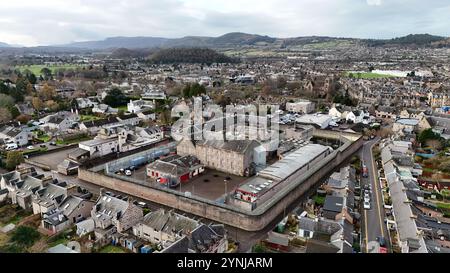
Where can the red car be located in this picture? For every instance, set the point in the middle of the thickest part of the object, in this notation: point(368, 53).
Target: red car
point(383, 250)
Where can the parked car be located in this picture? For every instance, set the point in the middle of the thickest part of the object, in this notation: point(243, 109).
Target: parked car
point(53, 143)
point(366, 205)
point(43, 146)
point(128, 173)
point(30, 147)
point(366, 198)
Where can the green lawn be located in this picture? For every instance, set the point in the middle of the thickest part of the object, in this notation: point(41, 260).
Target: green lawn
point(36, 69)
point(72, 141)
point(443, 205)
point(320, 200)
point(12, 214)
point(112, 249)
point(367, 75)
point(88, 117)
point(44, 138)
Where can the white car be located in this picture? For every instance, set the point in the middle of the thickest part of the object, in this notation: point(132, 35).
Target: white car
point(366, 205)
point(30, 147)
point(127, 172)
point(366, 198)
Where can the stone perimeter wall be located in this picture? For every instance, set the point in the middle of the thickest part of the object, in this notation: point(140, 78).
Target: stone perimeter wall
point(248, 220)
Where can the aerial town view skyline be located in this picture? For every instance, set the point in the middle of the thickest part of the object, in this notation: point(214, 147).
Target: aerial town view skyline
point(178, 126)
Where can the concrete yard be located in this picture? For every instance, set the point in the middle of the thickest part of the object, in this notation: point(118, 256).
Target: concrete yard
point(52, 159)
point(213, 188)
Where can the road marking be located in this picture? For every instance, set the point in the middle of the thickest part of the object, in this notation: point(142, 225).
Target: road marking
point(376, 189)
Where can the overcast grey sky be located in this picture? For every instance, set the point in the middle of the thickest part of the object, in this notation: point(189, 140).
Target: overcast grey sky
point(44, 22)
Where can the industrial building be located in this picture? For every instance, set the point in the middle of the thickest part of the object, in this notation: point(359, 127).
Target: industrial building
point(303, 106)
point(235, 156)
point(174, 169)
point(294, 162)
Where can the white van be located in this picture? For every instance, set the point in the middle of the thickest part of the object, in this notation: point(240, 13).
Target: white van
point(11, 146)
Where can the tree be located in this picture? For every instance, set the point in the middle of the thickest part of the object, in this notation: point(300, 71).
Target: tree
point(5, 115)
point(47, 73)
point(37, 103)
point(115, 98)
point(6, 101)
point(14, 111)
point(25, 236)
point(13, 158)
point(52, 105)
point(428, 134)
point(281, 82)
point(24, 119)
point(48, 92)
point(165, 117)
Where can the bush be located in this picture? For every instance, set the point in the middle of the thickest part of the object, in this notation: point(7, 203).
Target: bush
point(259, 248)
point(25, 236)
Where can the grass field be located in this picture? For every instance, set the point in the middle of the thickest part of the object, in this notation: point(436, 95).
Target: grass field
point(367, 75)
point(36, 69)
point(442, 205)
point(88, 117)
point(112, 249)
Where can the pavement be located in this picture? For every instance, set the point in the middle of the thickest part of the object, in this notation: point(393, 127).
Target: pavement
point(373, 224)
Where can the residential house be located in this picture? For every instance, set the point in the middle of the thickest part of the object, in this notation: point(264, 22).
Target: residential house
point(14, 135)
point(51, 196)
point(84, 103)
point(59, 122)
point(70, 211)
point(104, 109)
point(137, 106)
point(22, 184)
point(111, 214)
point(203, 239)
point(164, 227)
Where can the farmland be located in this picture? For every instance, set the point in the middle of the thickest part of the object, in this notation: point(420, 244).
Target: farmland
point(366, 75)
point(36, 69)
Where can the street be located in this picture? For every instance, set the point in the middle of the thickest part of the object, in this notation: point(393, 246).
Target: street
point(373, 225)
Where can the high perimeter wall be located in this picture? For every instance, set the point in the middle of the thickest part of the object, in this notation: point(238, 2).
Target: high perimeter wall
point(248, 220)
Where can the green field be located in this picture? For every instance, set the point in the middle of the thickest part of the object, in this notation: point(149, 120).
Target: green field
point(112, 249)
point(88, 118)
point(367, 75)
point(36, 68)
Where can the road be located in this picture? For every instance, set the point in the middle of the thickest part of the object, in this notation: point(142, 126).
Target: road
point(373, 225)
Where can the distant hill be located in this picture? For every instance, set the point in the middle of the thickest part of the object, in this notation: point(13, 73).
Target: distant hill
point(240, 39)
point(230, 39)
point(4, 45)
point(120, 42)
point(189, 55)
point(409, 40)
